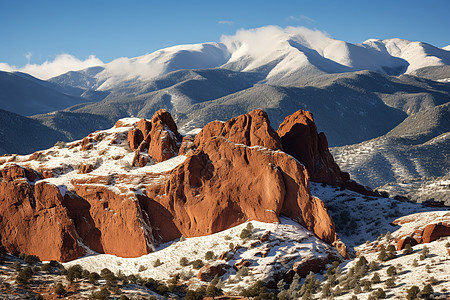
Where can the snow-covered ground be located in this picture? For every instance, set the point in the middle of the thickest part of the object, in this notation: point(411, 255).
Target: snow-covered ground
point(110, 155)
point(361, 218)
point(288, 243)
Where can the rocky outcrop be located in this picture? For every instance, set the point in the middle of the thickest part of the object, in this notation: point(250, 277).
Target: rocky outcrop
point(208, 272)
point(299, 137)
point(160, 136)
point(422, 228)
point(252, 129)
point(33, 219)
point(234, 172)
point(224, 184)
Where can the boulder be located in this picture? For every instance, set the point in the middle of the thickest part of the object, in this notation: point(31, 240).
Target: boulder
point(241, 264)
point(208, 272)
point(265, 237)
point(252, 129)
point(433, 232)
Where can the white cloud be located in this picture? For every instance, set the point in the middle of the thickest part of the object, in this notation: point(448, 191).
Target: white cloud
point(301, 18)
point(225, 22)
point(61, 64)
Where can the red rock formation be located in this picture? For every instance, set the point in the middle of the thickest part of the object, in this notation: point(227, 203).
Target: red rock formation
point(299, 137)
point(160, 136)
point(187, 145)
point(117, 219)
point(252, 129)
point(433, 232)
point(224, 184)
point(135, 137)
point(34, 221)
point(422, 228)
point(208, 272)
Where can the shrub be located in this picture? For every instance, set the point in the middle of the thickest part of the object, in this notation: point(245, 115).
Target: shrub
point(46, 268)
point(85, 274)
point(424, 253)
point(209, 255)
point(184, 261)
point(59, 289)
point(373, 265)
point(31, 259)
point(102, 294)
point(412, 292)
point(157, 263)
point(17, 265)
point(408, 249)
point(142, 268)
point(74, 272)
point(197, 264)
point(390, 283)
point(379, 294)
point(93, 277)
point(362, 261)
point(123, 297)
point(245, 233)
point(24, 275)
point(198, 294)
point(367, 286)
point(426, 291)
point(326, 290)
point(391, 271)
point(415, 263)
point(376, 278)
point(60, 144)
point(250, 227)
point(382, 256)
point(213, 289)
point(231, 246)
point(162, 289)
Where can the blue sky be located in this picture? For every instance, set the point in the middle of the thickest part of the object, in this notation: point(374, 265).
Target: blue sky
point(38, 31)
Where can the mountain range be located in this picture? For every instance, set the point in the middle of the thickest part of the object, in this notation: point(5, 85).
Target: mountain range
point(360, 94)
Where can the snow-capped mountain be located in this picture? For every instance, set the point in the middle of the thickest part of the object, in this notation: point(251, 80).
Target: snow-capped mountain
point(278, 53)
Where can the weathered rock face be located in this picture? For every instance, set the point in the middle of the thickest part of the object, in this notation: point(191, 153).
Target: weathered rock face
point(160, 136)
point(252, 129)
point(224, 184)
point(299, 137)
point(33, 219)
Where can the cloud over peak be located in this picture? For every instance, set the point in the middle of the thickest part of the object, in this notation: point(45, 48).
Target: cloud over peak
point(61, 64)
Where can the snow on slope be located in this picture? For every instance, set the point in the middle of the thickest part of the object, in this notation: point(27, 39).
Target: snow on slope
point(417, 54)
point(109, 155)
point(361, 218)
point(276, 52)
point(289, 243)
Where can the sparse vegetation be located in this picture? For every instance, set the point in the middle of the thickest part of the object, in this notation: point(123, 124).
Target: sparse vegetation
point(209, 255)
point(197, 264)
point(59, 289)
point(157, 263)
point(184, 262)
point(424, 253)
point(412, 292)
point(408, 249)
